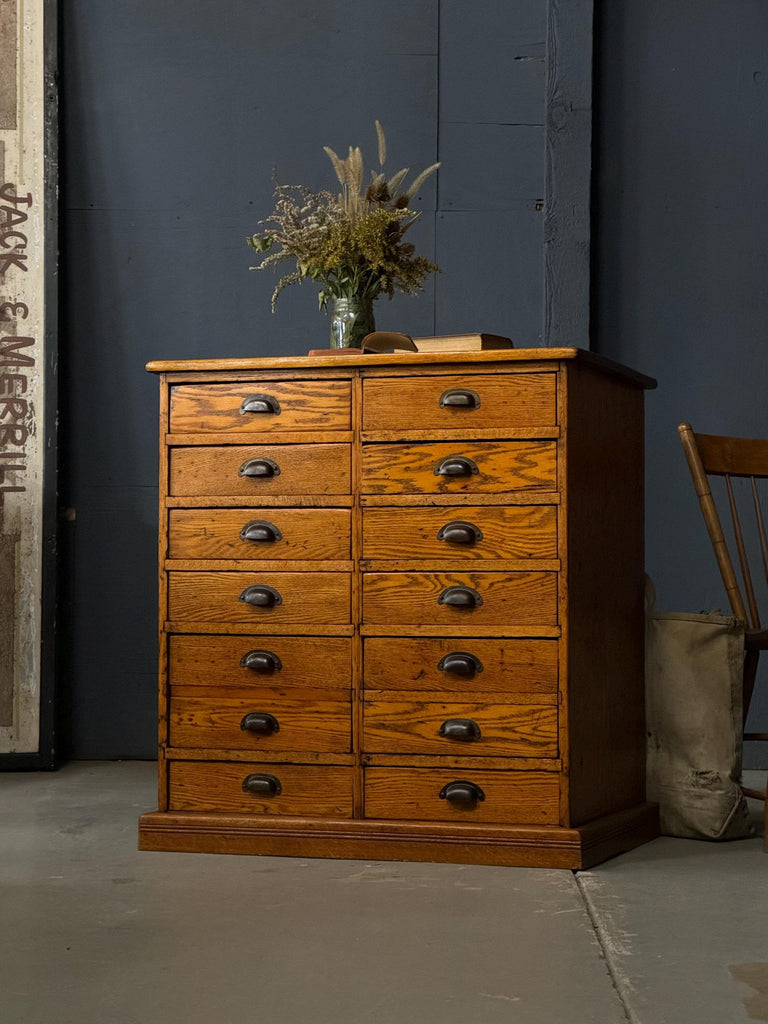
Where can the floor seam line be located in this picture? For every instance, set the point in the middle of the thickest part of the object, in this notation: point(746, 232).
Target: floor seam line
point(618, 983)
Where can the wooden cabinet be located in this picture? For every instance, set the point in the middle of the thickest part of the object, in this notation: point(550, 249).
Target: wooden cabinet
point(401, 608)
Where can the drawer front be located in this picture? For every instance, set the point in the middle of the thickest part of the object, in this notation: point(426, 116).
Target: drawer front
point(247, 661)
point(460, 599)
point(268, 720)
point(304, 790)
point(261, 406)
point(468, 728)
point(508, 798)
point(466, 532)
point(472, 402)
point(458, 467)
point(259, 534)
point(524, 667)
point(260, 470)
point(260, 599)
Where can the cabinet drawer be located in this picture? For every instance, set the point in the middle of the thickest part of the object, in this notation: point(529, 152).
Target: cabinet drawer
point(234, 719)
point(259, 534)
point(288, 597)
point(466, 727)
point(260, 470)
point(265, 406)
point(481, 598)
point(458, 467)
point(297, 790)
point(519, 667)
point(470, 401)
point(286, 661)
point(466, 532)
point(508, 798)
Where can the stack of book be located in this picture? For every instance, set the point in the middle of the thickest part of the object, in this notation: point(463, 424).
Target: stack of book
point(394, 341)
point(461, 343)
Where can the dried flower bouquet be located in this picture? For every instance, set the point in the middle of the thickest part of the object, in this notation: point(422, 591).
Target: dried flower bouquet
point(352, 243)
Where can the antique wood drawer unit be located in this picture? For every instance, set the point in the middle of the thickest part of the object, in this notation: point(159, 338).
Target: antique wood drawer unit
point(401, 608)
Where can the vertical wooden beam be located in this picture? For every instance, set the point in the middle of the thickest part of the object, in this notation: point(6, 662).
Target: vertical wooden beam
point(27, 380)
point(568, 181)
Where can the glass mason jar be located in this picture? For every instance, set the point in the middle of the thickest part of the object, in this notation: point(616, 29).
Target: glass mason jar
point(351, 320)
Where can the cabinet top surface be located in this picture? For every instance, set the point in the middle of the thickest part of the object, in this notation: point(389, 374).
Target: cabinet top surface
point(415, 359)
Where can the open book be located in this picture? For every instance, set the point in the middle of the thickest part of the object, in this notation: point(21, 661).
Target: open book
point(377, 341)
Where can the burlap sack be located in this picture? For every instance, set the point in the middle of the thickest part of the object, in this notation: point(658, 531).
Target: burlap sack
point(694, 725)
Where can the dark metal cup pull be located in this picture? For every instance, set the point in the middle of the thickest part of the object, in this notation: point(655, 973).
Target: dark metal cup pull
point(264, 468)
point(460, 597)
point(260, 404)
point(464, 729)
point(262, 785)
point(459, 398)
point(264, 662)
point(460, 664)
point(260, 722)
point(260, 596)
point(462, 793)
point(260, 531)
point(459, 532)
point(456, 465)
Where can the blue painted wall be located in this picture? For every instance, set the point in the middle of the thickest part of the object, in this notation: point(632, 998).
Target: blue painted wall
point(174, 116)
point(681, 250)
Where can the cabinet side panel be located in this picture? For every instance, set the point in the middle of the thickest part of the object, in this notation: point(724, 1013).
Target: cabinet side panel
point(605, 689)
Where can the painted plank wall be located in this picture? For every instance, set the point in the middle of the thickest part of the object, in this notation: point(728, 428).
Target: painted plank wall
point(491, 185)
point(174, 117)
point(681, 255)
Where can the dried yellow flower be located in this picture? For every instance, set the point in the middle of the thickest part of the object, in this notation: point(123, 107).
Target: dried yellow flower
point(351, 243)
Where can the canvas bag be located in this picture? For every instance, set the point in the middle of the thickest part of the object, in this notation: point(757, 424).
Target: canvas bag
point(693, 688)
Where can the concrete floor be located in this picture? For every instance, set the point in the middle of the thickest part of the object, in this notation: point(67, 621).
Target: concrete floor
point(94, 932)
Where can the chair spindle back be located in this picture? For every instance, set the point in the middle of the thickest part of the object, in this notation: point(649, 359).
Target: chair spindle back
point(730, 458)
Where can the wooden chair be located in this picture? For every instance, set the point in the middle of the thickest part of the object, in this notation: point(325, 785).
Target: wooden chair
point(711, 455)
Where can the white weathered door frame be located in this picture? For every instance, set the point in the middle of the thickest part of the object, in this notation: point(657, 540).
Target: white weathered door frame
point(28, 255)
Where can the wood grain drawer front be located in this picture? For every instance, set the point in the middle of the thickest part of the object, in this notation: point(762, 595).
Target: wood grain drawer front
point(268, 720)
point(270, 789)
point(460, 599)
point(471, 401)
point(247, 661)
point(465, 533)
point(458, 467)
point(524, 668)
point(504, 798)
point(466, 728)
point(260, 599)
point(260, 470)
point(311, 534)
point(261, 407)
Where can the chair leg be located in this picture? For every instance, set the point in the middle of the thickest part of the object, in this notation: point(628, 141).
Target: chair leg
point(748, 686)
point(748, 681)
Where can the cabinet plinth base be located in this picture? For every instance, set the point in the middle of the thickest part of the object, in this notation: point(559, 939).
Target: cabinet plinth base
point(509, 845)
